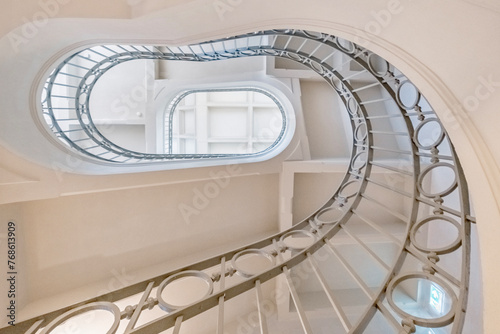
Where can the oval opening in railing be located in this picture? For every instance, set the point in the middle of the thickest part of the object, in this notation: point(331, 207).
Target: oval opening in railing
point(125, 103)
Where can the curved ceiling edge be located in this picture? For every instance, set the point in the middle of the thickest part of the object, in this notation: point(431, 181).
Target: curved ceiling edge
point(47, 46)
point(75, 163)
point(66, 105)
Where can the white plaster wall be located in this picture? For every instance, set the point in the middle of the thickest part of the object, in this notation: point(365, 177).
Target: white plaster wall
point(326, 128)
point(73, 242)
point(311, 190)
point(121, 93)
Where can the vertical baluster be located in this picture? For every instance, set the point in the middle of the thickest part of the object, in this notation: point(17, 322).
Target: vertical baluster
point(288, 42)
point(111, 50)
point(147, 50)
point(298, 305)
point(121, 47)
point(158, 49)
point(301, 46)
point(171, 52)
point(397, 190)
point(138, 309)
point(33, 329)
point(390, 318)
point(329, 293)
point(356, 74)
point(386, 208)
point(260, 41)
point(178, 323)
point(262, 318)
point(85, 58)
point(337, 68)
point(315, 50)
point(136, 49)
point(350, 270)
point(98, 53)
point(213, 49)
point(274, 41)
point(220, 319)
point(366, 248)
point(248, 42)
point(78, 66)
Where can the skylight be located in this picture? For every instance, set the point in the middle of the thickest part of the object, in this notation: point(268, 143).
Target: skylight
point(103, 103)
point(223, 121)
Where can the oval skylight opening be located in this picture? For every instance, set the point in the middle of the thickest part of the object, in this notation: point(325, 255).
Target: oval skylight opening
point(238, 121)
point(125, 104)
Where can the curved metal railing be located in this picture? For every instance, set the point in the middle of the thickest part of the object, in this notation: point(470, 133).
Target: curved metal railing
point(402, 193)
